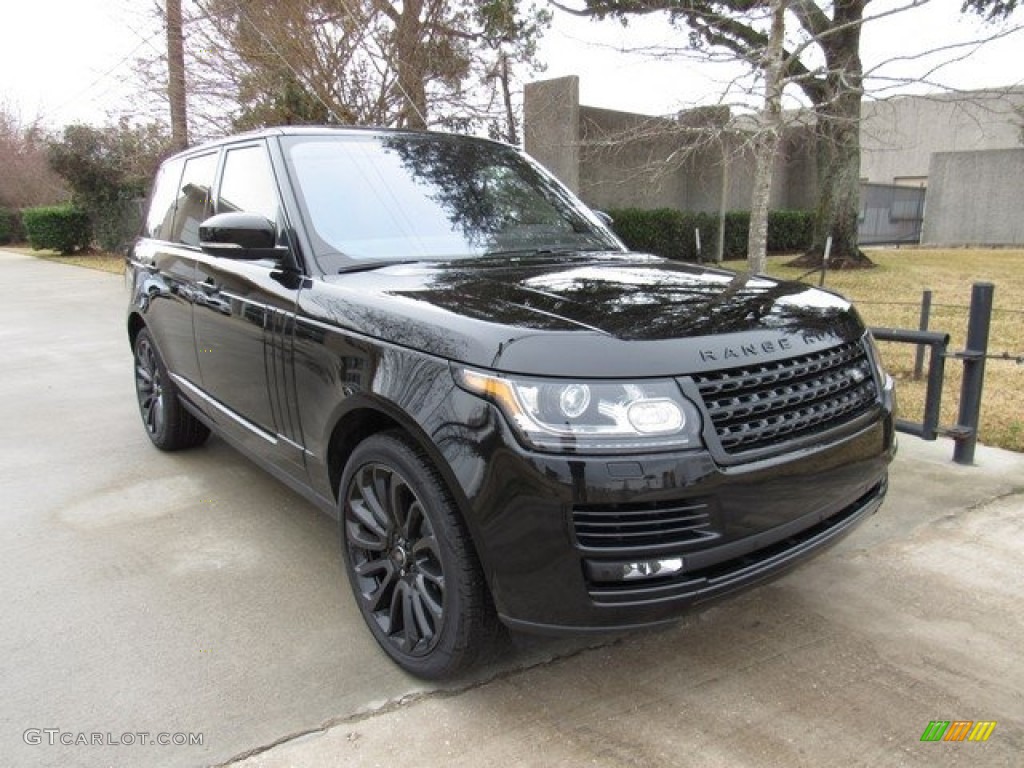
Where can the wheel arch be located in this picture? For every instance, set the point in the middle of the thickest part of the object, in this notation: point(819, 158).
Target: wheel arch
point(372, 416)
point(135, 324)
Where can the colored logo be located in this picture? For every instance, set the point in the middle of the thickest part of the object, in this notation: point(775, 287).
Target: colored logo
point(958, 730)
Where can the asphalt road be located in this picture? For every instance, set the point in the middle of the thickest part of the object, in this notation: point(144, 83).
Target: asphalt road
point(150, 595)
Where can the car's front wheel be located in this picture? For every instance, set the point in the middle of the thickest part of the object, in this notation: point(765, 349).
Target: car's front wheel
point(167, 423)
point(410, 561)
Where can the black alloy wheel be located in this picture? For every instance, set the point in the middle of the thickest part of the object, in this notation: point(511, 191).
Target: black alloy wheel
point(409, 560)
point(167, 423)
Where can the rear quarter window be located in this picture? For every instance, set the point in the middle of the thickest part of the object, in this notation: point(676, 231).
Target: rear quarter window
point(160, 218)
point(193, 203)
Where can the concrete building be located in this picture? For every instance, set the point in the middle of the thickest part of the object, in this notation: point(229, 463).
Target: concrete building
point(701, 160)
point(899, 136)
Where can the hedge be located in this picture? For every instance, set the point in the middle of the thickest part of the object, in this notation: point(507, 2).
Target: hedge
point(10, 226)
point(670, 233)
point(62, 228)
point(665, 231)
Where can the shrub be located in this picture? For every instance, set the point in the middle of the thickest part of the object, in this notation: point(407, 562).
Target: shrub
point(10, 226)
point(737, 228)
point(666, 231)
point(62, 228)
point(670, 233)
point(790, 230)
point(108, 170)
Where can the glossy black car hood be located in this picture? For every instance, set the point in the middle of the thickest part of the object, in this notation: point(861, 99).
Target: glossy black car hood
point(587, 315)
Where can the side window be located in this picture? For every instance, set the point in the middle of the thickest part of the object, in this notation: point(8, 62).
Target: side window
point(247, 183)
point(193, 204)
point(160, 219)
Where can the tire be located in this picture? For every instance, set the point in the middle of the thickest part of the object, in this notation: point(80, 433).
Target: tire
point(168, 424)
point(411, 564)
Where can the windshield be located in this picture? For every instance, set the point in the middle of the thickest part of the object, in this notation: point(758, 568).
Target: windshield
point(404, 196)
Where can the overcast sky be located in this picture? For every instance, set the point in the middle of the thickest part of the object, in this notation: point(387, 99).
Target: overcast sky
point(68, 60)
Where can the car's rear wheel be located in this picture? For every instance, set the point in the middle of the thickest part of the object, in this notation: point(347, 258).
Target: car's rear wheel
point(410, 561)
point(167, 423)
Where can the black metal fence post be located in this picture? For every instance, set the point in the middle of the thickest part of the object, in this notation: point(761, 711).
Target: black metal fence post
point(926, 311)
point(974, 371)
point(938, 343)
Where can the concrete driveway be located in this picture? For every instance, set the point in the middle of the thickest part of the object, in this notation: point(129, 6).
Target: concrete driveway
point(154, 597)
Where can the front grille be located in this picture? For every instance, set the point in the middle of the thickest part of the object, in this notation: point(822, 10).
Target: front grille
point(768, 404)
point(633, 527)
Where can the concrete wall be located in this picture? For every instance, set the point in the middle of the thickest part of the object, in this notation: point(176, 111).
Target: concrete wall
point(629, 160)
point(551, 113)
point(975, 198)
point(899, 136)
point(625, 160)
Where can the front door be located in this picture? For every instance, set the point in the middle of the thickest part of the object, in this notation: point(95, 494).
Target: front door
point(244, 320)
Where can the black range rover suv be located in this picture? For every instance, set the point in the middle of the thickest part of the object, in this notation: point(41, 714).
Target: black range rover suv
point(511, 415)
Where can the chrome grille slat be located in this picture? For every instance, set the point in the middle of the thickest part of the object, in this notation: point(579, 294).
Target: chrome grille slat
point(767, 404)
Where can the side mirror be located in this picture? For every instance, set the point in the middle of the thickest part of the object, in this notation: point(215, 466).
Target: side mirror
point(604, 217)
point(246, 236)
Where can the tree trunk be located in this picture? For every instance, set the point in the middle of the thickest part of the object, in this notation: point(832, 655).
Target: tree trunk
point(511, 134)
point(837, 109)
point(411, 66)
point(838, 210)
point(767, 143)
point(176, 75)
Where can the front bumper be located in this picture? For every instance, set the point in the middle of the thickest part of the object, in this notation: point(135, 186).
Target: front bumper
point(556, 534)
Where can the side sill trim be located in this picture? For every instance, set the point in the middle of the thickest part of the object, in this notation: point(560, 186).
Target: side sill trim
point(197, 392)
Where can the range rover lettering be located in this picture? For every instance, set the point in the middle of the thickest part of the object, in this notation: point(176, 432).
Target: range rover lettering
point(512, 417)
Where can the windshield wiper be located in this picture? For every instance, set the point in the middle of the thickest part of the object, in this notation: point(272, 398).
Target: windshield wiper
point(368, 266)
point(544, 251)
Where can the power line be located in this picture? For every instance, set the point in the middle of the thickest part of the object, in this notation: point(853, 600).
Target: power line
point(81, 94)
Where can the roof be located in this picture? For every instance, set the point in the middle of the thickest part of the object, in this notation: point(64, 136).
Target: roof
point(322, 130)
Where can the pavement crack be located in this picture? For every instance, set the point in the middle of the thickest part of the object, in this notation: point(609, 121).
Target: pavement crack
point(1015, 491)
point(410, 699)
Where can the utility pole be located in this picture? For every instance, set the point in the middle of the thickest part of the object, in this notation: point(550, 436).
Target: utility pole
point(176, 75)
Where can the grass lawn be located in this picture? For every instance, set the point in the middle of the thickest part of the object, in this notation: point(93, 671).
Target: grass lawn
point(106, 262)
point(890, 295)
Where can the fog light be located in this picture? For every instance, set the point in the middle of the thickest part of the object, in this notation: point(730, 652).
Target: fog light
point(650, 569)
point(636, 570)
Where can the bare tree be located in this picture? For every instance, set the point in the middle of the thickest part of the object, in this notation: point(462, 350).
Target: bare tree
point(415, 63)
point(27, 178)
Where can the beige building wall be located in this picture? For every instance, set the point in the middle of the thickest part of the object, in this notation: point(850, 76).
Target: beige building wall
point(626, 160)
point(899, 136)
point(551, 130)
point(975, 198)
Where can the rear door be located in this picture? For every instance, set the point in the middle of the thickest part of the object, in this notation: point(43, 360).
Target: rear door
point(244, 319)
point(166, 258)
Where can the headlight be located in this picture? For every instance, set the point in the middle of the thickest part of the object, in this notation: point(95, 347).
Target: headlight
point(591, 416)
